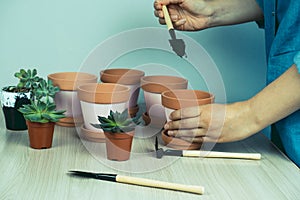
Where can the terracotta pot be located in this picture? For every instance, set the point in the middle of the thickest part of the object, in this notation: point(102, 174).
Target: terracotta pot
point(177, 99)
point(40, 134)
point(153, 86)
point(129, 77)
point(66, 98)
point(118, 145)
point(10, 103)
point(177, 143)
point(146, 118)
point(92, 135)
point(97, 99)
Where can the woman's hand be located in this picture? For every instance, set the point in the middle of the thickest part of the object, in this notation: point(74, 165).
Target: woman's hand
point(212, 123)
point(232, 122)
point(193, 15)
point(188, 15)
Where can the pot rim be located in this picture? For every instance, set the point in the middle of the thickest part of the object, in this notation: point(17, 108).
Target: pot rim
point(93, 93)
point(178, 143)
point(71, 80)
point(176, 101)
point(121, 75)
point(161, 83)
point(120, 135)
point(39, 124)
point(4, 90)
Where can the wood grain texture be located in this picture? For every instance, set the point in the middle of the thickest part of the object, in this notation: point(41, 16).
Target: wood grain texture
point(42, 174)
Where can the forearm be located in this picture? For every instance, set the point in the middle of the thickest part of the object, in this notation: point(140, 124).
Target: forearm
point(276, 101)
point(234, 12)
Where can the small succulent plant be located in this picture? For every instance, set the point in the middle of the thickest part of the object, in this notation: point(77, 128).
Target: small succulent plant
point(41, 112)
point(42, 108)
point(117, 122)
point(28, 79)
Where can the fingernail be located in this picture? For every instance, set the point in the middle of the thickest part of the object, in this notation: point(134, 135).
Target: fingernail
point(166, 126)
point(181, 21)
point(174, 17)
point(170, 133)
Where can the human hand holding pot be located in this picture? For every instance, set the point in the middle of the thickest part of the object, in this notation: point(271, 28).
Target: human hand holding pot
point(212, 123)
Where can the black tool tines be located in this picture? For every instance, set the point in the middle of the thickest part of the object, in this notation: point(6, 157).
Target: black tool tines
point(156, 143)
point(159, 152)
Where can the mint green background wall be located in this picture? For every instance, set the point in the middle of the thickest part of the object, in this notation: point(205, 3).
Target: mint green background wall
point(58, 35)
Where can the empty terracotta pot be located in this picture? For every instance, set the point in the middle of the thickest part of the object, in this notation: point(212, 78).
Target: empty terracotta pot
point(66, 98)
point(129, 77)
point(97, 99)
point(177, 99)
point(153, 86)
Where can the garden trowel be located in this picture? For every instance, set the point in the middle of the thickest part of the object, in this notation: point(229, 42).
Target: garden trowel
point(177, 45)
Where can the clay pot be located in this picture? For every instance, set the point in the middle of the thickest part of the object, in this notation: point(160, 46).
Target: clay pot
point(129, 77)
point(10, 103)
point(177, 143)
point(177, 99)
point(97, 99)
point(118, 145)
point(40, 134)
point(66, 98)
point(153, 86)
point(91, 135)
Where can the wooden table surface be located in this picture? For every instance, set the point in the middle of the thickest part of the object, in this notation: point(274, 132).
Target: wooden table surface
point(27, 173)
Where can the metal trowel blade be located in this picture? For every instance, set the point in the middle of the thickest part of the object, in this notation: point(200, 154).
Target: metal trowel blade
point(178, 46)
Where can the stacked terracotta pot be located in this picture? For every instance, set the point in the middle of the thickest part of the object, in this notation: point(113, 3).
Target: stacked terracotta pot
point(97, 99)
point(66, 98)
point(128, 77)
point(177, 99)
point(153, 86)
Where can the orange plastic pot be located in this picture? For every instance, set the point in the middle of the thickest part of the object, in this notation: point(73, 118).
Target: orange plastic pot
point(40, 134)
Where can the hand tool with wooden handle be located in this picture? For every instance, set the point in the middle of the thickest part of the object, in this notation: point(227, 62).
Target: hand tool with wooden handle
point(177, 45)
point(206, 154)
point(140, 181)
point(217, 154)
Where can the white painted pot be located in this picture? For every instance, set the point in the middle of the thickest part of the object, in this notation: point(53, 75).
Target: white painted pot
point(97, 100)
point(128, 77)
point(67, 98)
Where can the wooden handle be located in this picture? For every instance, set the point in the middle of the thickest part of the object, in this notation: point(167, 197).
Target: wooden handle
point(216, 154)
point(167, 17)
point(160, 184)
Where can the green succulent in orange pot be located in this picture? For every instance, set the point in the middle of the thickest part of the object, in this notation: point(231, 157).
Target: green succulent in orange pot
point(119, 130)
point(41, 114)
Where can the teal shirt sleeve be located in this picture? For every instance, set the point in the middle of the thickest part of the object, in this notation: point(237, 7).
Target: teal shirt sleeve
point(297, 61)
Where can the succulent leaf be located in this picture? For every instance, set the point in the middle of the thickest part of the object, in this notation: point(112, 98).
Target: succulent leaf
point(117, 122)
